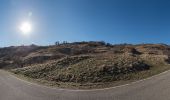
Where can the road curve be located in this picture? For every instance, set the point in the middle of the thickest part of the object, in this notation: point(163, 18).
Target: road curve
point(155, 88)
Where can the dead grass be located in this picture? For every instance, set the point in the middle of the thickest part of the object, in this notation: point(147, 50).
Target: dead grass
point(87, 64)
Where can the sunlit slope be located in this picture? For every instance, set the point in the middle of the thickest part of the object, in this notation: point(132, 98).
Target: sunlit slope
point(86, 62)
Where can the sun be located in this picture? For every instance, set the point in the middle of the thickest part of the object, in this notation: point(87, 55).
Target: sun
point(26, 28)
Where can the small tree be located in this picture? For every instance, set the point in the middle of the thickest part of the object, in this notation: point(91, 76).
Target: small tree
point(65, 42)
point(108, 44)
point(57, 43)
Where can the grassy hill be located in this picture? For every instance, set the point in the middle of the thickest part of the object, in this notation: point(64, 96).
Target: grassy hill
point(86, 64)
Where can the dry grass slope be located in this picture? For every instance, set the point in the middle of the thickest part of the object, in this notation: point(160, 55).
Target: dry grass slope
point(86, 62)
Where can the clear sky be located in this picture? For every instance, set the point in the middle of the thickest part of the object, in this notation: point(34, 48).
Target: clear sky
point(114, 21)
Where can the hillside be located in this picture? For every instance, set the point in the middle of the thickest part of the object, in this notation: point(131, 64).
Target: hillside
point(86, 63)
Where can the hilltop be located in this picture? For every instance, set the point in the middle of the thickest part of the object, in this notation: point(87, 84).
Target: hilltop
point(86, 64)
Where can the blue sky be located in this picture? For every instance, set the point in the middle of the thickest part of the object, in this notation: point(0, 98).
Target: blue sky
point(114, 21)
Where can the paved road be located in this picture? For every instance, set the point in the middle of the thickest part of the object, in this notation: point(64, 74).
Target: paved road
point(155, 88)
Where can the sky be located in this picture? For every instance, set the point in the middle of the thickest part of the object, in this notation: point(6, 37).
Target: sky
point(113, 21)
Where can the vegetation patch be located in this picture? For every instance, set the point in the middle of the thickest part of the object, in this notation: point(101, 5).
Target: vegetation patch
point(86, 64)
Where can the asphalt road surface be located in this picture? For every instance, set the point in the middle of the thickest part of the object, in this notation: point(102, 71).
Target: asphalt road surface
point(155, 88)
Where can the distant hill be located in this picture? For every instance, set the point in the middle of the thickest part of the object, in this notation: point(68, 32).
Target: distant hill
point(86, 62)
